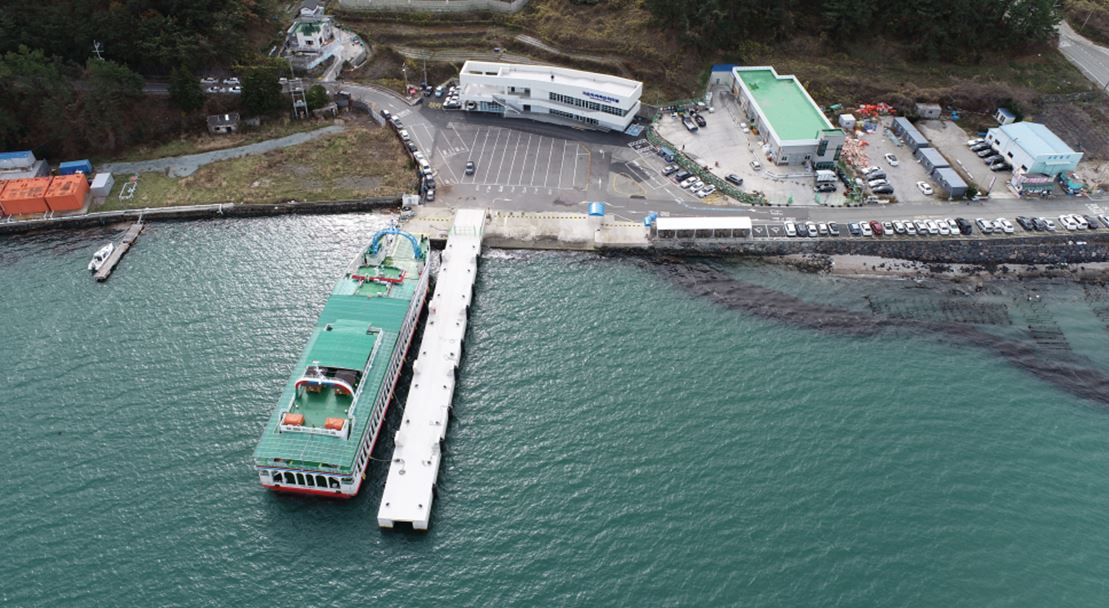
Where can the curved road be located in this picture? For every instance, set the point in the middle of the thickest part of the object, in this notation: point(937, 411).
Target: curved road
point(1091, 59)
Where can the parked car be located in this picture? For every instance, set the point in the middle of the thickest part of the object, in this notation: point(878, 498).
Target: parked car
point(974, 142)
point(987, 151)
point(231, 80)
point(235, 90)
point(735, 179)
point(811, 227)
point(943, 228)
point(209, 80)
point(707, 190)
point(854, 229)
point(700, 120)
point(1068, 223)
point(668, 169)
point(833, 228)
point(874, 183)
point(953, 225)
point(214, 89)
point(1005, 224)
point(681, 176)
point(924, 188)
point(1091, 222)
point(386, 114)
point(825, 187)
point(1048, 224)
point(687, 182)
point(870, 169)
point(1038, 224)
point(899, 227)
point(1104, 220)
point(910, 228)
point(439, 91)
point(986, 226)
point(883, 189)
point(1000, 166)
point(689, 124)
point(1025, 223)
point(964, 224)
point(921, 228)
point(866, 229)
point(822, 229)
point(429, 195)
point(931, 226)
point(989, 160)
point(756, 165)
point(1081, 221)
point(978, 147)
point(791, 229)
point(891, 159)
point(876, 228)
point(470, 167)
point(411, 145)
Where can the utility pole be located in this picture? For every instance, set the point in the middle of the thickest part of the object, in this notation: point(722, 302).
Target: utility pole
point(425, 72)
point(404, 70)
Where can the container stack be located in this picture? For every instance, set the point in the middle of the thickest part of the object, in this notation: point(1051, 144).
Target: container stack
point(67, 193)
point(25, 196)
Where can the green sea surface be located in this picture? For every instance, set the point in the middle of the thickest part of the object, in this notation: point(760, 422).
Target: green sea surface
point(618, 439)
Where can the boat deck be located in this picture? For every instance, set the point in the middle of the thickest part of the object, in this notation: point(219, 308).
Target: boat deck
point(414, 470)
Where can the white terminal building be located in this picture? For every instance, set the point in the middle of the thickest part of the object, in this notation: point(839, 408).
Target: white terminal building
point(549, 94)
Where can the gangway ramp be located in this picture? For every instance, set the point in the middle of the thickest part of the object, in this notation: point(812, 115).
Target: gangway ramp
point(414, 468)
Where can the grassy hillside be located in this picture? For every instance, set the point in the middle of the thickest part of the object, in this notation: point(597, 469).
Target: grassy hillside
point(1089, 18)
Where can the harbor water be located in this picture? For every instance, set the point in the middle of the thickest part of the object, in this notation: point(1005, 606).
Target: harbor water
point(625, 433)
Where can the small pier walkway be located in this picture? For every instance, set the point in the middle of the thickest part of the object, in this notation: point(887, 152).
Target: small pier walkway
point(414, 469)
point(113, 259)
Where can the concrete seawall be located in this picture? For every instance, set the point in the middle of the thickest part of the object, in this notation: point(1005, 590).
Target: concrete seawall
point(195, 212)
point(1045, 249)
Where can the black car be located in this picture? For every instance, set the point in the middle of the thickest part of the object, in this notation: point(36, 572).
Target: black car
point(470, 167)
point(982, 146)
point(681, 176)
point(964, 225)
point(1038, 224)
point(854, 229)
point(833, 228)
point(700, 121)
point(1000, 166)
point(735, 179)
point(411, 145)
point(883, 189)
point(1024, 222)
point(1092, 221)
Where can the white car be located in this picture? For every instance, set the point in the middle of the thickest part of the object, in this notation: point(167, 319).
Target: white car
point(986, 226)
point(209, 80)
point(687, 182)
point(891, 159)
point(791, 229)
point(696, 185)
point(235, 90)
point(910, 228)
point(943, 227)
point(231, 80)
point(707, 190)
point(953, 225)
point(1005, 225)
point(756, 165)
point(865, 227)
point(974, 142)
point(1050, 224)
point(1081, 221)
point(214, 89)
point(931, 226)
point(924, 188)
point(812, 228)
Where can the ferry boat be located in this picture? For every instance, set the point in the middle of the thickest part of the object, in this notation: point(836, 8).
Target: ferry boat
point(321, 433)
point(101, 256)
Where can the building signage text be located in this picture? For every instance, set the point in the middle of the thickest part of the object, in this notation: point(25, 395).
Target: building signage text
point(599, 97)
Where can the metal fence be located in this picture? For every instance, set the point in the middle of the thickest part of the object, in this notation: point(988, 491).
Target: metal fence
point(434, 6)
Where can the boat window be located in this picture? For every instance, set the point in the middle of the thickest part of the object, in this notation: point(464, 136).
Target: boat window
point(311, 481)
point(334, 483)
point(300, 479)
point(348, 480)
point(289, 478)
point(321, 481)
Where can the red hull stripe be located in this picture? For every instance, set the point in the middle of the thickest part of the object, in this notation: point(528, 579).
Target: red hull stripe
point(298, 490)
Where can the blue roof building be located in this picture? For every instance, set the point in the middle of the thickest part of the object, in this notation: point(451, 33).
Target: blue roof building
point(1032, 148)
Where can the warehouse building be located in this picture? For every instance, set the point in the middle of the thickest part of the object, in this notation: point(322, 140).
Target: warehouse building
point(780, 109)
point(1032, 148)
point(549, 94)
point(909, 134)
point(931, 159)
point(950, 182)
point(22, 165)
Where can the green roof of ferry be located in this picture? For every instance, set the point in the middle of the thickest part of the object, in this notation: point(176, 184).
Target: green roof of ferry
point(350, 313)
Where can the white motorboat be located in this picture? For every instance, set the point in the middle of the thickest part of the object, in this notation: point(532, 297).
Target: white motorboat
point(101, 256)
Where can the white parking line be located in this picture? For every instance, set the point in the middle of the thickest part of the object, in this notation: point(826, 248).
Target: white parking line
point(523, 164)
point(562, 162)
point(460, 140)
point(489, 165)
point(515, 151)
point(504, 155)
point(577, 155)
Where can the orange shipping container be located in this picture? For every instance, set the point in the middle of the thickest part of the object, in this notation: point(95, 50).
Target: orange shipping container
point(3, 184)
point(67, 192)
point(23, 196)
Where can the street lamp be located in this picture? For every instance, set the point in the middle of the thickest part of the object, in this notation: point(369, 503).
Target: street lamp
point(404, 70)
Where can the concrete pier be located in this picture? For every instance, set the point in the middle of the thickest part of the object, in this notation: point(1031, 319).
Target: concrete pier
point(117, 254)
point(414, 467)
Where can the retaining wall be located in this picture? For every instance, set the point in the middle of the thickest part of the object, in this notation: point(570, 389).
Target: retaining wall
point(434, 6)
point(1048, 249)
point(199, 212)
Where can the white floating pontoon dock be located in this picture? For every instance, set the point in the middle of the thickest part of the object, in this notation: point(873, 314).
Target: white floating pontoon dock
point(414, 468)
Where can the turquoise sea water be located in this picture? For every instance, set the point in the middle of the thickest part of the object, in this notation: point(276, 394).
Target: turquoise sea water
point(619, 438)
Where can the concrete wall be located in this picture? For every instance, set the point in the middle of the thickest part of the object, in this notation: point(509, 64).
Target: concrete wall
point(434, 6)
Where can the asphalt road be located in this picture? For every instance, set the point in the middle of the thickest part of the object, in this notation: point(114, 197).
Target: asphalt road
point(1091, 59)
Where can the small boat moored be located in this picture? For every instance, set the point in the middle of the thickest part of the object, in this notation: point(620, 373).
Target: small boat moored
point(101, 256)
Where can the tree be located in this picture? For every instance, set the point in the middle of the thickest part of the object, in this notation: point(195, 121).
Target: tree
point(261, 89)
point(317, 97)
point(111, 88)
point(35, 100)
point(184, 90)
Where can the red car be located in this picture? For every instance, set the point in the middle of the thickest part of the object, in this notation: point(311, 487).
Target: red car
point(876, 226)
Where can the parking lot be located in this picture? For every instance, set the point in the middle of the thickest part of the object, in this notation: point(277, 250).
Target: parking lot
point(951, 140)
point(509, 160)
point(908, 171)
point(723, 147)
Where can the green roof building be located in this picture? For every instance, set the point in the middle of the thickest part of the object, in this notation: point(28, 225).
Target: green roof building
point(780, 111)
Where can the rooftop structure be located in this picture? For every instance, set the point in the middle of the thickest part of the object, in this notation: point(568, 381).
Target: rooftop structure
point(714, 227)
point(780, 108)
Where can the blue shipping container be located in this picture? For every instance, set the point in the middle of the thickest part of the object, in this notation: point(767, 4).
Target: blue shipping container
point(75, 166)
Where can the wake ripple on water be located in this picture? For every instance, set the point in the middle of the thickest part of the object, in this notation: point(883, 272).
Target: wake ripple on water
point(1066, 370)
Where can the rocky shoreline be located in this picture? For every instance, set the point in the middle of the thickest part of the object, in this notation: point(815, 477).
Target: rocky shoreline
point(878, 266)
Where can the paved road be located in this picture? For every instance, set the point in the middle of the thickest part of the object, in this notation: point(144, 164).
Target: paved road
point(1091, 59)
point(181, 166)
